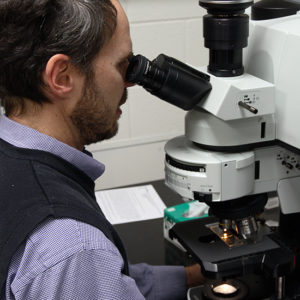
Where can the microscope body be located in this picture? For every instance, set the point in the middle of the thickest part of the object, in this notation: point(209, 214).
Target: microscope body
point(221, 128)
point(273, 55)
point(241, 142)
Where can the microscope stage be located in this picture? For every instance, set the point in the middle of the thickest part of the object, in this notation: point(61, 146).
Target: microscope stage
point(218, 260)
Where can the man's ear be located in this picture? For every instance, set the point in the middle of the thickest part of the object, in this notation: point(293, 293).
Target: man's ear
point(58, 76)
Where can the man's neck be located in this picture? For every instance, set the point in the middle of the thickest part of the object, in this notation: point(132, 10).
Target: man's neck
point(50, 120)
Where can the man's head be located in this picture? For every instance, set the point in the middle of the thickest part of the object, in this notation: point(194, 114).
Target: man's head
point(52, 50)
point(97, 112)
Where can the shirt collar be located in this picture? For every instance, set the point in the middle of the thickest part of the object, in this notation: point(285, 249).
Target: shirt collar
point(25, 137)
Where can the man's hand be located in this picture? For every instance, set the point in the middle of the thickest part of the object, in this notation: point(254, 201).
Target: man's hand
point(194, 276)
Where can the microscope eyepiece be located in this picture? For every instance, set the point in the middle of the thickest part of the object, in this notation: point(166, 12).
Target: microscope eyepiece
point(145, 73)
point(169, 79)
point(136, 68)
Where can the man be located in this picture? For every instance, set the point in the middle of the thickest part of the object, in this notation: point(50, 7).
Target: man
point(62, 82)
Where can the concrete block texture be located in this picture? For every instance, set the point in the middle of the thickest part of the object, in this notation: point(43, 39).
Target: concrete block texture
point(151, 116)
point(161, 10)
point(131, 164)
point(152, 39)
point(135, 154)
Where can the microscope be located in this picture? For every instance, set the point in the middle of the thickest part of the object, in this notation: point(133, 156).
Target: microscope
point(241, 142)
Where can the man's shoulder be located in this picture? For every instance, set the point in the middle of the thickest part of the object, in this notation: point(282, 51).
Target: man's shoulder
point(57, 239)
point(53, 242)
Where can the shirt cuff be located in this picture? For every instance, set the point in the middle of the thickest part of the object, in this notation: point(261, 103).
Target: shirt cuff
point(170, 281)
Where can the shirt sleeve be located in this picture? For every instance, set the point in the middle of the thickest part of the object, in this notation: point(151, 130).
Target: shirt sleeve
point(87, 275)
point(159, 282)
point(67, 259)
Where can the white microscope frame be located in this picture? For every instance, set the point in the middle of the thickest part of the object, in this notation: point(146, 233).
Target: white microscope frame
point(271, 85)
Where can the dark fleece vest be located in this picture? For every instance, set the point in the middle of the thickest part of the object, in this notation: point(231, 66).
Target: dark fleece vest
point(36, 185)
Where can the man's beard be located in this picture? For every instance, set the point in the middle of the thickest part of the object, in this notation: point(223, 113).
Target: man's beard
point(93, 117)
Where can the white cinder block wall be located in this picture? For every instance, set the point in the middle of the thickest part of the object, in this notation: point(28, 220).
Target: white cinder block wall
point(136, 153)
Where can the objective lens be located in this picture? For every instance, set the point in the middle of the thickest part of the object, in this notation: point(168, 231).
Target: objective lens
point(247, 228)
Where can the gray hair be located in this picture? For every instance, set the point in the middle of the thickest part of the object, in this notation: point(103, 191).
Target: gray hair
point(32, 31)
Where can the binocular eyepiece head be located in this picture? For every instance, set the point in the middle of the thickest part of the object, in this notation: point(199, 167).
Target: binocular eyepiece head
point(169, 79)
